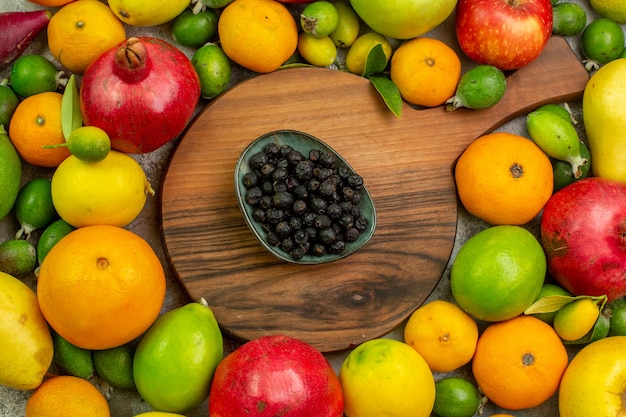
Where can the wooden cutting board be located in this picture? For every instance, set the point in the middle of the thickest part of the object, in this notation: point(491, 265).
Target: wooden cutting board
point(407, 164)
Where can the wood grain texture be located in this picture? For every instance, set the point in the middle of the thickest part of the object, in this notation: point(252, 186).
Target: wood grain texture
point(407, 166)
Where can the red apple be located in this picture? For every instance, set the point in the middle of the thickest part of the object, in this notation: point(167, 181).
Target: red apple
point(275, 376)
point(583, 232)
point(507, 34)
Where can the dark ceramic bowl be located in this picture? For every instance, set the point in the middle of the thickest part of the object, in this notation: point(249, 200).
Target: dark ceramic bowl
point(304, 143)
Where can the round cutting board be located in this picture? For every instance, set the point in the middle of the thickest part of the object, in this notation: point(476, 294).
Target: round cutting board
point(406, 163)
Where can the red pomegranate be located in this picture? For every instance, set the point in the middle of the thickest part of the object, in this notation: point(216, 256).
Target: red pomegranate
point(275, 376)
point(583, 232)
point(142, 92)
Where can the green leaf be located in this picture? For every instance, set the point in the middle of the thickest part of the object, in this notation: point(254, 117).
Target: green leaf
point(376, 61)
point(71, 117)
point(389, 92)
point(553, 303)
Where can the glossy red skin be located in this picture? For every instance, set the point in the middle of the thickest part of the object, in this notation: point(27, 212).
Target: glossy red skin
point(18, 30)
point(275, 376)
point(507, 34)
point(583, 232)
point(143, 109)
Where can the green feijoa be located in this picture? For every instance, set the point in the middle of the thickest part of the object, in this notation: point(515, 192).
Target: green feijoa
point(562, 170)
point(72, 359)
point(617, 319)
point(213, 4)
point(33, 74)
point(17, 257)
point(10, 173)
point(213, 68)
point(8, 103)
point(348, 25)
point(33, 206)
point(557, 109)
point(568, 19)
point(319, 18)
point(557, 137)
point(602, 41)
point(115, 366)
point(193, 30)
point(479, 88)
point(51, 236)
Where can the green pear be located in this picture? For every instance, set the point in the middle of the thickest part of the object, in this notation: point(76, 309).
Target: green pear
point(604, 101)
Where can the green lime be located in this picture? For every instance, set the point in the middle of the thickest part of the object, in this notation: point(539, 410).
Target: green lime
point(576, 319)
point(17, 257)
point(498, 273)
point(51, 236)
point(456, 397)
point(33, 206)
point(213, 68)
point(618, 317)
point(194, 30)
point(348, 25)
point(89, 143)
point(175, 360)
point(562, 171)
point(547, 290)
point(319, 18)
point(622, 54)
point(33, 74)
point(72, 359)
point(10, 173)
point(320, 52)
point(601, 42)
point(568, 19)
point(115, 366)
point(479, 88)
point(8, 103)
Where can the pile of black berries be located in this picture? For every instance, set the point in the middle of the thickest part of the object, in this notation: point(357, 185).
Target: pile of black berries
point(307, 205)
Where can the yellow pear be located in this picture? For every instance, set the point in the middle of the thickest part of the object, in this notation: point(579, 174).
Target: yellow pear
point(604, 101)
point(25, 340)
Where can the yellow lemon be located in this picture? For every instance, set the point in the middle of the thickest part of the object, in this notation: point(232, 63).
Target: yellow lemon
point(613, 9)
point(147, 13)
point(575, 319)
point(385, 377)
point(360, 49)
point(112, 191)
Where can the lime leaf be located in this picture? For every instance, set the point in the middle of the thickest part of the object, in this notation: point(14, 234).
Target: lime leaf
point(376, 61)
point(389, 92)
point(71, 117)
point(551, 303)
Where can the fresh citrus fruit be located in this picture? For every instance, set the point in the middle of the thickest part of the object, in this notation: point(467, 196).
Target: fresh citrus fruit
point(479, 88)
point(602, 41)
point(37, 123)
point(213, 68)
point(385, 377)
point(81, 31)
point(426, 71)
point(101, 286)
point(574, 320)
point(33, 206)
point(115, 366)
point(141, 13)
point(613, 9)
point(319, 18)
point(194, 30)
point(456, 397)
point(503, 178)
point(618, 317)
point(51, 3)
point(17, 257)
point(176, 359)
point(89, 143)
point(258, 34)
point(8, 103)
point(443, 334)
point(498, 273)
point(33, 74)
point(361, 48)
point(548, 290)
point(568, 19)
point(519, 362)
point(112, 191)
point(72, 359)
point(348, 25)
point(320, 52)
point(67, 395)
